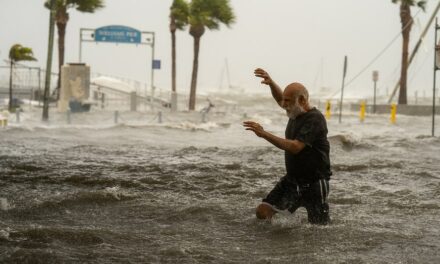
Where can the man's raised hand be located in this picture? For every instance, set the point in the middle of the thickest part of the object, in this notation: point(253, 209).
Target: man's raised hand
point(263, 74)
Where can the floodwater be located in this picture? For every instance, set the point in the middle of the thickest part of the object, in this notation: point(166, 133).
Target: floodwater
point(185, 191)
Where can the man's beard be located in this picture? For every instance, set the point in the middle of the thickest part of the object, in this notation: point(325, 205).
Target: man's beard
point(294, 110)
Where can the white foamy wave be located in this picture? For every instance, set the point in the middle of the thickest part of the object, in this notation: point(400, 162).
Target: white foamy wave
point(4, 205)
point(259, 119)
point(194, 126)
point(114, 192)
point(4, 233)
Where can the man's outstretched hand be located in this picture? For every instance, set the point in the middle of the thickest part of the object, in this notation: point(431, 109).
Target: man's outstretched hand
point(255, 127)
point(263, 74)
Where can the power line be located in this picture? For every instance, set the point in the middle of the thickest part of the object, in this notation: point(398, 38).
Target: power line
point(379, 55)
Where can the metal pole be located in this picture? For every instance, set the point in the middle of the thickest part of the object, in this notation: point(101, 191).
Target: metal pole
point(152, 69)
point(374, 100)
point(68, 117)
point(159, 117)
point(39, 86)
point(435, 69)
point(32, 88)
point(342, 89)
point(80, 45)
point(116, 116)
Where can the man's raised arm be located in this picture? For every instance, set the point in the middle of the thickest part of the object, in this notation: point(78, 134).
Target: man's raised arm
point(277, 93)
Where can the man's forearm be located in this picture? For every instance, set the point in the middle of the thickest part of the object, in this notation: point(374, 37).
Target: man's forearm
point(293, 146)
point(277, 93)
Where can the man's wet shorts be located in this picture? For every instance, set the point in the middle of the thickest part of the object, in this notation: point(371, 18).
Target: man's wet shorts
point(290, 196)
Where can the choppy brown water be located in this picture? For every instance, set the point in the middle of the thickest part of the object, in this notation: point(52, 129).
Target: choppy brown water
point(174, 193)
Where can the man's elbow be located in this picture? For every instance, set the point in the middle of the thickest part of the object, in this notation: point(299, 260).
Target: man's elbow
point(296, 147)
point(293, 149)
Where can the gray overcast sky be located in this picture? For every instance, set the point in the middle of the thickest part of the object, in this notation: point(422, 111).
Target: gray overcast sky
point(295, 40)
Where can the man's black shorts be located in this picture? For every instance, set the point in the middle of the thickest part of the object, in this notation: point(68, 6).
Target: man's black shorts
point(290, 196)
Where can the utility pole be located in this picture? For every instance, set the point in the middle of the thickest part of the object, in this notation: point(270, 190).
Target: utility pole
point(375, 79)
point(342, 88)
point(49, 62)
point(436, 67)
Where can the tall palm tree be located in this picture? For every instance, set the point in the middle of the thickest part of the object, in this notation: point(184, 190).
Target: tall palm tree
point(62, 17)
point(406, 21)
point(178, 21)
point(17, 53)
point(205, 14)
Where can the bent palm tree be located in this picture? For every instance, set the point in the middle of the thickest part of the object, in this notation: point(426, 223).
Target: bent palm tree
point(17, 53)
point(62, 17)
point(178, 21)
point(406, 21)
point(205, 14)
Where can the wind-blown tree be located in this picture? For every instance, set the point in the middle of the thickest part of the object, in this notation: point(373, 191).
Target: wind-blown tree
point(406, 21)
point(17, 53)
point(205, 14)
point(62, 17)
point(178, 21)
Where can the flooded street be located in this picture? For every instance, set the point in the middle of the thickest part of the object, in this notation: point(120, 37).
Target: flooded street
point(185, 191)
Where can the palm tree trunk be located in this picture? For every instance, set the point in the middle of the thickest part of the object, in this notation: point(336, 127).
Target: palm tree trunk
point(10, 87)
point(406, 20)
point(61, 20)
point(61, 42)
point(173, 61)
point(192, 95)
point(48, 64)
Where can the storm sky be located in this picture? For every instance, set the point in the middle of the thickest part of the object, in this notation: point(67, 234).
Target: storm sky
point(295, 40)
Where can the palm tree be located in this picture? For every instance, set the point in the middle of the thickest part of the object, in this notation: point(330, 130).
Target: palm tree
point(205, 14)
point(17, 53)
point(62, 17)
point(178, 21)
point(406, 21)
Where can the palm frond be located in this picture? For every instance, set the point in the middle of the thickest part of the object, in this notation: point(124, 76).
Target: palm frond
point(211, 13)
point(87, 6)
point(57, 4)
point(179, 11)
point(422, 4)
point(20, 53)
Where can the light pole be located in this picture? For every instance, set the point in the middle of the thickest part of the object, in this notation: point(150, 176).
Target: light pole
point(436, 67)
point(375, 79)
point(342, 88)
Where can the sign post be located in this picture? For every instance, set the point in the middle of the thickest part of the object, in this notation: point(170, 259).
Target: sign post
point(375, 79)
point(342, 88)
point(436, 67)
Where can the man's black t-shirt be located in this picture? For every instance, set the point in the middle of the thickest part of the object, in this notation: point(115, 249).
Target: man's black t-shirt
point(312, 163)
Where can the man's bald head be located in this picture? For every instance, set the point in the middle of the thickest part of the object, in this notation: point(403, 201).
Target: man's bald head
point(295, 100)
point(296, 91)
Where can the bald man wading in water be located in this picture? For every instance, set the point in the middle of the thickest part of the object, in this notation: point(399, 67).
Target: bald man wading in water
point(306, 183)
